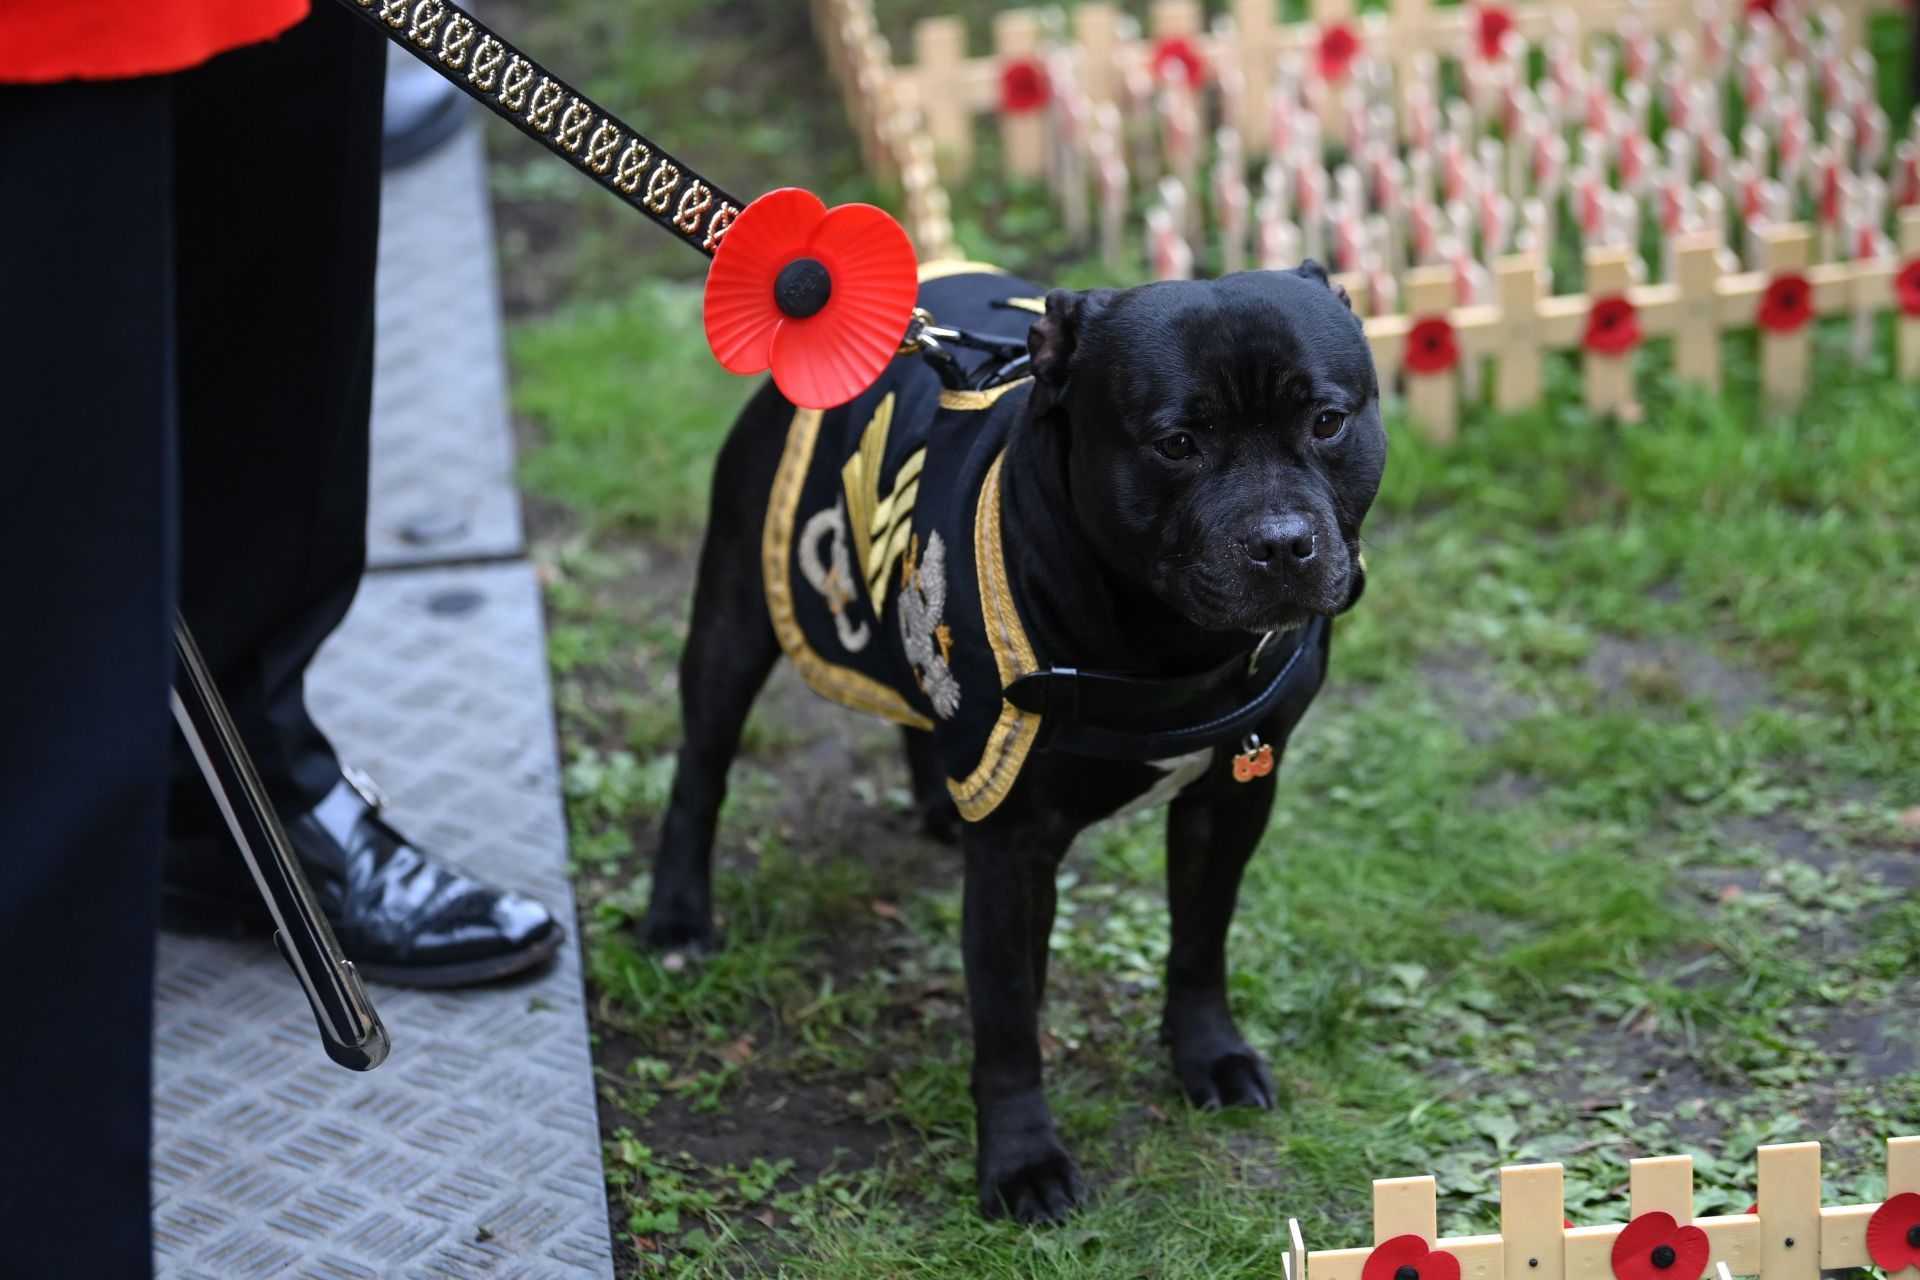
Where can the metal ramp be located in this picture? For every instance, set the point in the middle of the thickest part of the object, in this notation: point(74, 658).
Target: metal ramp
point(475, 1150)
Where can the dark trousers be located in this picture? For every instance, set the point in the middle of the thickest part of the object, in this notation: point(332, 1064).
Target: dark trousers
point(186, 330)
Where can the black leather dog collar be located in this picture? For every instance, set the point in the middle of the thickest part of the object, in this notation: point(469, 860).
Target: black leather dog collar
point(1071, 703)
point(1103, 696)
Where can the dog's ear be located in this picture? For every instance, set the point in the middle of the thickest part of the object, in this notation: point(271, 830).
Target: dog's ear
point(1314, 271)
point(1054, 341)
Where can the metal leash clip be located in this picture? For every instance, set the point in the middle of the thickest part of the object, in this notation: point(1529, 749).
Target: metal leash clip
point(350, 1028)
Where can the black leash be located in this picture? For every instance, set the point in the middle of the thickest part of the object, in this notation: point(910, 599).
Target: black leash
point(496, 74)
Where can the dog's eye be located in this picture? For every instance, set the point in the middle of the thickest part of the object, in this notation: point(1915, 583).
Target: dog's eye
point(1176, 446)
point(1328, 424)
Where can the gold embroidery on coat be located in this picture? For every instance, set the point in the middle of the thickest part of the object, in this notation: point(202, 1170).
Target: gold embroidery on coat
point(1013, 734)
point(881, 524)
point(848, 688)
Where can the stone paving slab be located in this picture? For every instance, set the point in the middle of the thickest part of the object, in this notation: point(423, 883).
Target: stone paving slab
point(474, 1151)
point(442, 443)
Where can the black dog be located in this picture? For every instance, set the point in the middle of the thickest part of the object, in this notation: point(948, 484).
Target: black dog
point(1108, 583)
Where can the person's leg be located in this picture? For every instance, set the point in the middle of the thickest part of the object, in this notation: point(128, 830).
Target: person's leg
point(86, 522)
point(278, 210)
point(277, 227)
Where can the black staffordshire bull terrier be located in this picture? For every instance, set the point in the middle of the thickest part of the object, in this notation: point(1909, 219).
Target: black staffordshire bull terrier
point(1106, 583)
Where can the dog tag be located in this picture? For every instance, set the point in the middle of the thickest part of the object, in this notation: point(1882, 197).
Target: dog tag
point(1254, 761)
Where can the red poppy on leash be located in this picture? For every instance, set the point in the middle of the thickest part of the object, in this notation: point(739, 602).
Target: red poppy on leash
point(822, 296)
point(1408, 1258)
point(1655, 1247)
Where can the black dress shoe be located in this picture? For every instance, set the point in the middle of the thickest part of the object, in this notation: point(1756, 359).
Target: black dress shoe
point(400, 916)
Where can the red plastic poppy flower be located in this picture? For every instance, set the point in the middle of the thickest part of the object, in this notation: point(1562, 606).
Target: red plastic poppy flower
point(1787, 304)
point(1408, 1258)
point(1430, 346)
point(1339, 45)
point(1893, 1233)
point(823, 296)
point(1613, 326)
point(1760, 6)
point(1906, 288)
point(1491, 24)
point(1655, 1247)
point(1024, 86)
point(1181, 51)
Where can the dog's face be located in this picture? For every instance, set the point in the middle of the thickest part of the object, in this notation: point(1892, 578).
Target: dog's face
point(1224, 439)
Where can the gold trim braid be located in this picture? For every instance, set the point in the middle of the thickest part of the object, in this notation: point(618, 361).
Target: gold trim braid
point(951, 399)
point(957, 267)
point(1013, 734)
point(845, 686)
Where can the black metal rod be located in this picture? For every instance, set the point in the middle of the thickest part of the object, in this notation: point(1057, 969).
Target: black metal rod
point(350, 1029)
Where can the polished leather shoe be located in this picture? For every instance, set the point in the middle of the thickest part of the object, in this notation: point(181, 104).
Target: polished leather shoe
point(400, 916)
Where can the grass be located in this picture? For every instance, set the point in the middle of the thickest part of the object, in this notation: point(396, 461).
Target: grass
point(1593, 849)
point(1602, 841)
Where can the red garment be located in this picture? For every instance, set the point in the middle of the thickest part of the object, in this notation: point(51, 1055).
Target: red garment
point(43, 40)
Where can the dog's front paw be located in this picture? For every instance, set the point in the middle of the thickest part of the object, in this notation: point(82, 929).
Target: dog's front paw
point(1224, 1072)
point(678, 932)
point(1030, 1181)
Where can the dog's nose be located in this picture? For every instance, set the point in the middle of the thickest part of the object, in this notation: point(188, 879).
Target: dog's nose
point(1281, 537)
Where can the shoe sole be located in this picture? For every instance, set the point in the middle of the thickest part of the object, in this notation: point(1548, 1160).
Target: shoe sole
point(198, 915)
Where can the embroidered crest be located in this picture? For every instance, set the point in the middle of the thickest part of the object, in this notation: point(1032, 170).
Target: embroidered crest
point(833, 576)
point(929, 644)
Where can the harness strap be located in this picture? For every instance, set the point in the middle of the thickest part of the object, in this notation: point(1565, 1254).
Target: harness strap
point(557, 116)
point(1073, 694)
point(1289, 689)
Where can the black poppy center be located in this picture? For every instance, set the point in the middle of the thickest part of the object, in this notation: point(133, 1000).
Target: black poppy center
point(1609, 319)
point(1664, 1256)
point(1407, 1273)
point(802, 288)
point(1913, 1235)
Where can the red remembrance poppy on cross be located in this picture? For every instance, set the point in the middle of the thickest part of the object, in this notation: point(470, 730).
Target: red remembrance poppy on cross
point(1491, 24)
point(1180, 51)
point(1613, 326)
point(1024, 86)
point(1893, 1233)
point(1906, 288)
point(1408, 1258)
point(1655, 1247)
point(1787, 304)
point(1430, 346)
point(1760, 6)
point(1339, 45)
point(822, 296)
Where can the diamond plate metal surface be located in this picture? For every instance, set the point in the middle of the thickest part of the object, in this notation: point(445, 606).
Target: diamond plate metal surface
point(442, 444)
point(475, 1150)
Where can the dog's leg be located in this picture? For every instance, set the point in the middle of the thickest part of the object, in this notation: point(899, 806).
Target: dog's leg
point(1008, 912)
point(729, 651)
point(939, 816)
point(1209, 840)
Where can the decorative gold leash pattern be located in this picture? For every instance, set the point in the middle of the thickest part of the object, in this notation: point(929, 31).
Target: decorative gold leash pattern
point(562, 119)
